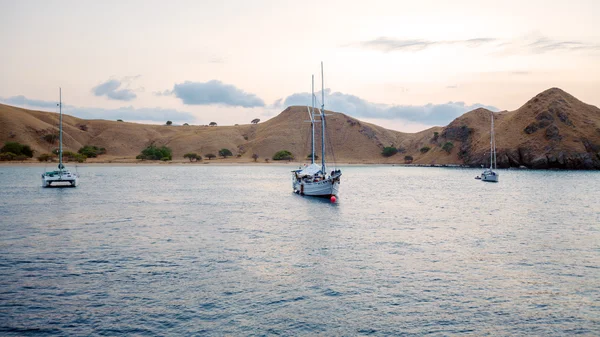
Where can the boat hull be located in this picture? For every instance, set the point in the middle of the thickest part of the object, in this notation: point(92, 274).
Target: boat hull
point(323, 188)
point(490, 178)
point(64, 180)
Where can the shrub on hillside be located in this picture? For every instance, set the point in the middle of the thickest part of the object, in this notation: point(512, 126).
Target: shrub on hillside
point(425, 149)
point(283, 155)
point(6, 156)
point(192, 156)
point(72, 156)
point(389, 151)
point(51, 138)
point(225, 153)
point(210, 156)
point(448, 147)
point(153, 152)
point(408, 159)
point(91, 151)
point(17, 149)
point(44, 157)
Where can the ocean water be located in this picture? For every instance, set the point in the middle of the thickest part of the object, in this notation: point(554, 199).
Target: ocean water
point(215, 250)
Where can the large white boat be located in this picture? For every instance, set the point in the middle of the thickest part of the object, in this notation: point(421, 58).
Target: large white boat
point(489, 174)
point(315, 180)
point(61, 177)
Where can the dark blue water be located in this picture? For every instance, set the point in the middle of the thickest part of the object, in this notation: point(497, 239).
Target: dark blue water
point(214, 250)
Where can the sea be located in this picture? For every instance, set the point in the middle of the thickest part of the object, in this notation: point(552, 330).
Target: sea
point(208, 250)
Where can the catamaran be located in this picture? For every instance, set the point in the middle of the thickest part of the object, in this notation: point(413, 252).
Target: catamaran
point(61, 177)
point(489, 174)
point(314, 180)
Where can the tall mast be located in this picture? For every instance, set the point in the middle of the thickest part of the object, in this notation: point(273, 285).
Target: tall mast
point(492, 142)
point(322, 121)
point(60, 149)
point(312, 121)
point(494, 133)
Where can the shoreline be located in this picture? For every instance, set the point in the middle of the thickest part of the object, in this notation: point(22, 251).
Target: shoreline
point(221, 162)
point(212, 163)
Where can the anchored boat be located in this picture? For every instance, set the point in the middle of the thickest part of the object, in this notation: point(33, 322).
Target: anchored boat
point(314, 180)
point(61, 177)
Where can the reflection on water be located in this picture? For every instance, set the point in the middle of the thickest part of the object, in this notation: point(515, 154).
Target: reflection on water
point(200, 249)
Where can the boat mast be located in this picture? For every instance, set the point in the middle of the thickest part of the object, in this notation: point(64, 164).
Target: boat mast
point(312, 120)
point(322, 121)
point(492, 142)
point(60, 149)
point(494, 133)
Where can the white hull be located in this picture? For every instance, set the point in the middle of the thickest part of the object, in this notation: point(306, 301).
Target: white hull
point(64, 179)
point(489, 177)
point(324, 188)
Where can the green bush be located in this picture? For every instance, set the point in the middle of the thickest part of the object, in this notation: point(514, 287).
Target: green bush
point(153, 152)
point(72, 156)
point(448, 147)
point(408, 159)
point(225, 153)
point(192, 156)
point(389, 151)
point(44, 157)
point(210, 156)
point(119, 120)
point(92, 151)
point(17, 149)
point(169, 122)
point(425, 149)
point(6, 156)
point(436, 136)
point(255, 157)
point(310, 156)
point(283, 155)
point(51, 138)
point(21, 157)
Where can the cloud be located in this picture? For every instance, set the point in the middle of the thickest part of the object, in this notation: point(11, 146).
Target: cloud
point(163, 93)
point(530, 44)
point(430, 114)
point(128, 113)
point(213, 92)
point(111, 89)
point(543, 45)
point(386, 44)
point(24, 101)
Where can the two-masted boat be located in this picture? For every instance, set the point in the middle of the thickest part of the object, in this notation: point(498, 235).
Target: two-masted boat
point(314, 179)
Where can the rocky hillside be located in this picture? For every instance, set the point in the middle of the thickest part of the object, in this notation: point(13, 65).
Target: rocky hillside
point(552, 130)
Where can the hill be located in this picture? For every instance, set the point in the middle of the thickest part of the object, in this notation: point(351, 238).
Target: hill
point(552, 130)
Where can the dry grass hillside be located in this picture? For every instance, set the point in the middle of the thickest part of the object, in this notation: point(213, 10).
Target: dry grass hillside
point(552, 130)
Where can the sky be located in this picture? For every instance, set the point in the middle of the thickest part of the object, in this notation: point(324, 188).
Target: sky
point(404, 65)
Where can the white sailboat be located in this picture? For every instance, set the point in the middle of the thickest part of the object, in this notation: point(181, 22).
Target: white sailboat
point(61, 177)
point(314, 180)
point(490, 175)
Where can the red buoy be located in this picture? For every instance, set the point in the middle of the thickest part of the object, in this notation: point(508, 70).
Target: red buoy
point(333, 199)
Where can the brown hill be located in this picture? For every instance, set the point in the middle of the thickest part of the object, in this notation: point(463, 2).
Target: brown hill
point(552, 130)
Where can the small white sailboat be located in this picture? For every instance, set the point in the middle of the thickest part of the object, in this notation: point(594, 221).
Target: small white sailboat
point(314, 180)
point(490, 175)
point(61, 177)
